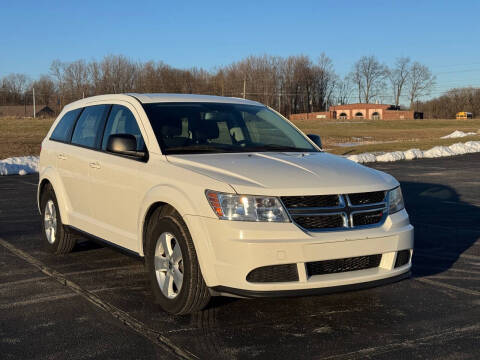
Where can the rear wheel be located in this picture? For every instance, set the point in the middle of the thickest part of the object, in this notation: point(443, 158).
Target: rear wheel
point(172, 266)
point(57, 238)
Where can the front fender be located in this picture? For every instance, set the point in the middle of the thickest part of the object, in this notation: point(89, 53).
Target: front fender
point(189, 210)
point(168, 194)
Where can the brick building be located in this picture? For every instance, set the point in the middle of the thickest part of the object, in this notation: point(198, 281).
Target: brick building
point(361, 111)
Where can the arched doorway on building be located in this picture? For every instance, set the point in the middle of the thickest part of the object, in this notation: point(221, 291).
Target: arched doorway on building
point(375, 116)
point(343, 116)
point(359, 115)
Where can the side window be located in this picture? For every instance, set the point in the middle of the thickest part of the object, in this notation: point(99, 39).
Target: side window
point(89, 125)
point(63, 130)
point(122, 121)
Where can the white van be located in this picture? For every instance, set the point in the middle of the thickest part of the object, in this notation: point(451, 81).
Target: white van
point(221, 196)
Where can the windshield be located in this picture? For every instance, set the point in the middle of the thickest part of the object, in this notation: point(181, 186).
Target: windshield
point(186, 128)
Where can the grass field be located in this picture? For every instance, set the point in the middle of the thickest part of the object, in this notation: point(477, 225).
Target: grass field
point(385, 135)
point(20, 136)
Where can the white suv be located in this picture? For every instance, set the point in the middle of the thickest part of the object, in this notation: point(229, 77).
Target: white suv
point(222, 196)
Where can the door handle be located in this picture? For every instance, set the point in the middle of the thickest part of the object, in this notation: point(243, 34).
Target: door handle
point(95, 165)
point(61, 157)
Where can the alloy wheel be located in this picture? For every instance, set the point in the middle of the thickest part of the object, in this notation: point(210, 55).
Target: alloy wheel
point(169, 267)
point(50, 221)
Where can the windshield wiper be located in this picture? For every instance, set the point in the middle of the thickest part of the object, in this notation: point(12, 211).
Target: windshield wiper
point(192, 149)
point(195, 149)
point(274, 147)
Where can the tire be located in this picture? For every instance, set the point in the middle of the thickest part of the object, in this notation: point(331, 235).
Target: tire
point(166, 229)
point(60, 241)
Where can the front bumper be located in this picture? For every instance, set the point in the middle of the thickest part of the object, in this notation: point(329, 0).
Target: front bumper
point(229, 250)
point(226, 291)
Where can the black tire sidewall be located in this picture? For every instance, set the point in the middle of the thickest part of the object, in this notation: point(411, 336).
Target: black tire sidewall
point(169, 224)
point(46, 196)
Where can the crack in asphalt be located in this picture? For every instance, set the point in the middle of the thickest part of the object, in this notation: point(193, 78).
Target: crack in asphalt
point(448, 286)
point(446, 335)
point(124, 317)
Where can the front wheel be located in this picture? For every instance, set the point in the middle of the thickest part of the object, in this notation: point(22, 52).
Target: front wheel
point(57, 238)
point(172, 266)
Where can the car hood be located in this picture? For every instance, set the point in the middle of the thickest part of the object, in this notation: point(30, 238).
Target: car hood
point(286, 173)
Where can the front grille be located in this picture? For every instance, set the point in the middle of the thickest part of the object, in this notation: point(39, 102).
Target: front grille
point(311, 201)
point(273, 273)
point(343, 265)
point(366, 198)
point(330, 212)
point(367, 218)
point(403, 257)
point(319, 222)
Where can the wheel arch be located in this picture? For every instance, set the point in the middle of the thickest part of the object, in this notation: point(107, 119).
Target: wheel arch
point(161, 195)
point(50, 177)
point(179, 201)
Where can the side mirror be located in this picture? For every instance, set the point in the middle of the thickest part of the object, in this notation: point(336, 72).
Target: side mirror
point(316, 139)
point(125, 144)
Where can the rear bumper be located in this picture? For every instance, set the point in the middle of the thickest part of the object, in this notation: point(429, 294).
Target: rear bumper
point(223, 290)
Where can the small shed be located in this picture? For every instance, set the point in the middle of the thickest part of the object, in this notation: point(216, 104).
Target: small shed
point(45, 112)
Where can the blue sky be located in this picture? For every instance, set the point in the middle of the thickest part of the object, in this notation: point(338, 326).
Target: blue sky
point(444, 35)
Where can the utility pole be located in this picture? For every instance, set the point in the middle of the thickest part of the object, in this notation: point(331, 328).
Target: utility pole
point(244, 86)
point(33, 94)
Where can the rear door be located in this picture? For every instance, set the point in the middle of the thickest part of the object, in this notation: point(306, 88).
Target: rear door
point(77, 161)
point(115, 182)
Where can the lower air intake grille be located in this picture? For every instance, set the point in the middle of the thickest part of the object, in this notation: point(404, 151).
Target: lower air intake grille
point(343, 265)
point(273, 273)
point(403, 257)
point(319, 222)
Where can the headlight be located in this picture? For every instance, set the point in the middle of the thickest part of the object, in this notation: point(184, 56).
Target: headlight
point(246, 207)
point(395, 200)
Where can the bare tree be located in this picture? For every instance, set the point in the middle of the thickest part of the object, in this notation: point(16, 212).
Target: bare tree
point(420, 82)
point(343, 90)
point(45, 88)
point(398, 76)
point(14, 87)
point(368, 76)
point(325, 80)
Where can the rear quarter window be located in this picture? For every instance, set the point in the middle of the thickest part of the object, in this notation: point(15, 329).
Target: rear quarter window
point(63, 130)
point(90, 126)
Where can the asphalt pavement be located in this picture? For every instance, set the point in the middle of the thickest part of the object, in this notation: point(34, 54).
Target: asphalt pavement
point(95, 302)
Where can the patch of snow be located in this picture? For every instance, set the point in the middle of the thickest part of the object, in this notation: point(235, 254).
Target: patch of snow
point(413, 154)
point(391, 156)
point(349, 144)
point(363, 158)
point(437, 151)
point(457, 134)
point(20, 165)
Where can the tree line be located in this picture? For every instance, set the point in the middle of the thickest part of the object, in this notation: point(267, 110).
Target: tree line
point(292, 84)
point(453, 101)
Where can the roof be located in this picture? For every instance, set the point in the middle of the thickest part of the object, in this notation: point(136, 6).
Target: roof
point(152, 98)
point(155, 98)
